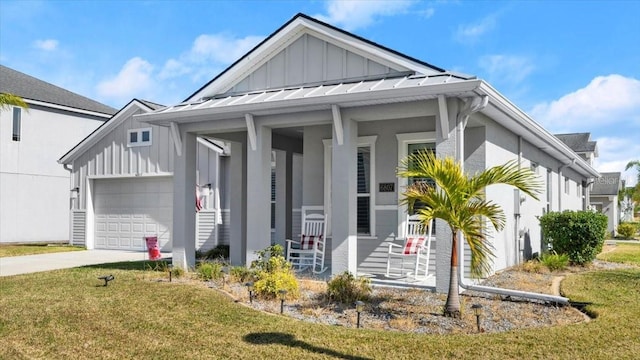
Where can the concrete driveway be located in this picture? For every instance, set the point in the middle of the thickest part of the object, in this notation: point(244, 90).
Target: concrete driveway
point(16, 265)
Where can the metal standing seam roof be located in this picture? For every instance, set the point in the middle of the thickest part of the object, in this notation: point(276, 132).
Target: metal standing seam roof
point(316, 91)
point(31, 88)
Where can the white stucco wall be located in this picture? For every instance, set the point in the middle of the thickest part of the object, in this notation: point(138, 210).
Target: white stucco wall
point(34, 188)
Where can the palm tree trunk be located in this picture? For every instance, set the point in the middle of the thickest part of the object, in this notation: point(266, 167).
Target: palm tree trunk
point(452, 306)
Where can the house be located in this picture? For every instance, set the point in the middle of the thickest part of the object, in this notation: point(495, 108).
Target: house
point(604, 198)
point(347, 111)
point(34, 189)
point(123, 191)
point(582, 145)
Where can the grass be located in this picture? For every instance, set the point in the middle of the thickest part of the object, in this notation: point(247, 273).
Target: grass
point(67, 314)
point(626, 253)
point(34, 249)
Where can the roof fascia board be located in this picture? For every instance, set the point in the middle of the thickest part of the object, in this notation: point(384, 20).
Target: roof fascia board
point(533, 128)
point(103, 130)
point(66, 108)
point(342, 100)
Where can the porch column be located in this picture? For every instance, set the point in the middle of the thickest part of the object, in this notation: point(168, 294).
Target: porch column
point(237, 204)
point(445, 146)
point(344, 200)
point(282, 194)
point(184, 210)
point(258, 191)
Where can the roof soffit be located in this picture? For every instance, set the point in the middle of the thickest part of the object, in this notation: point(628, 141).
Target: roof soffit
point(293, 31)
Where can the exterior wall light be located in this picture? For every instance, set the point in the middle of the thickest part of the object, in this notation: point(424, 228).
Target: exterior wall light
point(74, 192)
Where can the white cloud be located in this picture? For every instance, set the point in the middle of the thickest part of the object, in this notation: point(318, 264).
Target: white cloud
point(511, 69)
point(606, 100)
point(615, 153)
point(133, 80)
point(471, 32)
point(46, 45)
point(352, 15)
point(208, 51)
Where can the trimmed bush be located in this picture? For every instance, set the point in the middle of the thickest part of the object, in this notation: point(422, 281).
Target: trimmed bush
point(627, 230)
point(240, 274)
point(578, 234)
point(346, 288)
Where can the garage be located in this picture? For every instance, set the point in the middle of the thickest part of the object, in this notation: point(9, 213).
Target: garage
point(127, 210)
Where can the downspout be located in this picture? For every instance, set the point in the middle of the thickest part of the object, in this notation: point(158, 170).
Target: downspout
point(516, 213)
point(462, 122)
point(560, 187)
point(70, 170)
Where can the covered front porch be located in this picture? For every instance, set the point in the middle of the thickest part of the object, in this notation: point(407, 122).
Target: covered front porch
point(336, 155)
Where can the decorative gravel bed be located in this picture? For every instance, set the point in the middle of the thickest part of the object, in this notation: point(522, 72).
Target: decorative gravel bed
point(420, 311)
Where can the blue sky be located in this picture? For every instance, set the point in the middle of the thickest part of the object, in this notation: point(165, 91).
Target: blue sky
point(574, 66)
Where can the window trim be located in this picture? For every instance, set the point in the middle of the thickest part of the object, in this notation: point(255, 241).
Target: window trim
point(363, 141)
point(140, 142)
point(404, 140)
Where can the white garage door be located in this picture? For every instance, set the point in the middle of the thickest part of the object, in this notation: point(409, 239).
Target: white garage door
point(127, 210)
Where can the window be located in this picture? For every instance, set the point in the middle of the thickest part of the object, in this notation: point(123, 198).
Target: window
point(411, 143)
point(273, 198)
point(17, 119)
point(365, 162)
point(413, 149)
point(364, 190)
point(139, 137)
point(567, 185)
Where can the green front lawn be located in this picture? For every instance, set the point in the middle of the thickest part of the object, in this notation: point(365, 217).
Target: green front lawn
point(67, 314)
point(19, 250)
point(626, 253)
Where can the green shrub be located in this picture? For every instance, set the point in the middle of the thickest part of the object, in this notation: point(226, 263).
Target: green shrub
point(579, 234)
point(218, 252)
point(273, 273)
point(177, 272)
point(346, 288)
point(627, 230)
point(555, 261)
point(533, 266)
point(209, 270)
point(240, 274)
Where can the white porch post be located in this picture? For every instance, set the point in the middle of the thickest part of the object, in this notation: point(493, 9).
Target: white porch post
point(282, 164)
point(184, 212)
point(344, 200)
point(236, 204)
point(258, 192)
point(446, 142)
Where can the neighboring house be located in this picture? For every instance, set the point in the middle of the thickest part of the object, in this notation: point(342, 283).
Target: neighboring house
point(122, 176)
point(34, 189)
point(582, 145)
point(349, 110)
point(604, 198)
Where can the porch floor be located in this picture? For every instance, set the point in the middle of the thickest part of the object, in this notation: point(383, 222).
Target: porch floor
point(379, 279)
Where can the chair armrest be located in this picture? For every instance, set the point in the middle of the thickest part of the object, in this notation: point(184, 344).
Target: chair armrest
point(289, 241)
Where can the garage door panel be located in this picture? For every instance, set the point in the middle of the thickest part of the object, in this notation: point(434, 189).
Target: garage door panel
point(129, 209)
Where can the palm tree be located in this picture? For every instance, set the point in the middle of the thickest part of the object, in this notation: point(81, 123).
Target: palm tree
point(634, 192)
point(7, 100)
point(460, 201)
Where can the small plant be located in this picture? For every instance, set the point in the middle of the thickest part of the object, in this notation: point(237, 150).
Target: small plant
point(274, 273)
point(218, 252)
point(240, 274)
point(627, 230)
point(555, 261)
point(209, 270)
point(346, 288)
point(178, 272)
point(533, 266)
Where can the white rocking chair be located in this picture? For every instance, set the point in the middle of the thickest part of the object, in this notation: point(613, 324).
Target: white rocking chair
point(309, 251)
point(417, 245)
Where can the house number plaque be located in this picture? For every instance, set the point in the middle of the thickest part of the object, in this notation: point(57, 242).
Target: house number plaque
point(387, 187)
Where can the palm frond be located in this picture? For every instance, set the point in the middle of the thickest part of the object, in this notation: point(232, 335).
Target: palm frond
point(7, 100)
